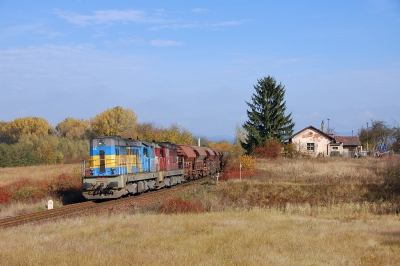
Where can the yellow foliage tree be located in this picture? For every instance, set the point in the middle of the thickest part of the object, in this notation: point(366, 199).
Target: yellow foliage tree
point(174, 134)
point(148, 132)
point(73, 129)
point(178, 135)
point(113, 122)
point(248, 162)
point(29, 126)
point(222, 145)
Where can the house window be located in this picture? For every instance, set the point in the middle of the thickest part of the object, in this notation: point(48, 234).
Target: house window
point(310, 147)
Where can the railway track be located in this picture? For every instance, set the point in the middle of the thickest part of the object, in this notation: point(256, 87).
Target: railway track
point(96, 208)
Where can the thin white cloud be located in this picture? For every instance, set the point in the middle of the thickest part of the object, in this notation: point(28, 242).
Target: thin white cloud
point(191, 25)
point(136, 41)
point(288, 60)
point(164, 43)
point(228, 23)
point(39, 29)
point(175, 26)
point(47, 33)
point(199, 10)
point(109, 16)
point(139, 16)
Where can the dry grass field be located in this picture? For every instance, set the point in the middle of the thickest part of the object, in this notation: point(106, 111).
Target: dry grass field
point(255, 237)
point(27, 189)
point(40, 172)
point(328, 211)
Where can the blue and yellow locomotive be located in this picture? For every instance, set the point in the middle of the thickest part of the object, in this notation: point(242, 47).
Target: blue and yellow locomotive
point(119, 167)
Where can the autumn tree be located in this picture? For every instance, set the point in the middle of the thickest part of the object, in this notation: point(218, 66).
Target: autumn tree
point(236, 149)
point(222, 145)
point(178, 135)
point(396, 136)
point(113, 122)
point(377, 133)
point(73, 129)
point(148, 132)
point(31, 126)
point(174, 133)
point(266, 117)
point(2, 137)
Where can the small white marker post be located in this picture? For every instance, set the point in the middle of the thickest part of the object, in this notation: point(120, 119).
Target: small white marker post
point(50, 205)
point(240, 172)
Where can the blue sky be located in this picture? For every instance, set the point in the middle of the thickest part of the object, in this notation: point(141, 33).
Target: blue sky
point(194, 63)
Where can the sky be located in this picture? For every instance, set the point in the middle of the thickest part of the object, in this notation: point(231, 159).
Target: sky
point(194, 63)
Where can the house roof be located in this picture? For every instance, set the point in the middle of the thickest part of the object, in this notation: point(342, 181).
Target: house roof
point(349, 140)
point(328, 136)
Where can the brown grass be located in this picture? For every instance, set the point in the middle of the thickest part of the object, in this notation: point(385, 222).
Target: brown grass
point(328, 211)
point(19, 208)
point(47, 173)
point(256, 237)
point(318, 182)
point(39, 172)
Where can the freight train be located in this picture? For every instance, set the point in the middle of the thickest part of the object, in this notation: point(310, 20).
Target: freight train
point(120, 167)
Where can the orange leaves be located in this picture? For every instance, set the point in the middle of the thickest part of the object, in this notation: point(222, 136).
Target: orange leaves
point(221, 145)
point(271, 149)
point(25, 189)
point(242, 166)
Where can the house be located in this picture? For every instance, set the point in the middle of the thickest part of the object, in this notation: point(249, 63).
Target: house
point(351, 145)
point(316, 142)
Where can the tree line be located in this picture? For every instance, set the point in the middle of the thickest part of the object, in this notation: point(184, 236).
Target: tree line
point(379, 132)
point(32, 140)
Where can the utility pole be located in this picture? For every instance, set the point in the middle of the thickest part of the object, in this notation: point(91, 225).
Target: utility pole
point(367, 137)
point(328, 127)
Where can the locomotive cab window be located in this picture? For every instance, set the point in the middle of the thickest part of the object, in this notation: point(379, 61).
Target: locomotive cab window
point(145, 153)
point(102, 161)
point(161, 153)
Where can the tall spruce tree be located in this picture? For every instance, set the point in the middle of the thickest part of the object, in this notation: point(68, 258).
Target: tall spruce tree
point(267, 119)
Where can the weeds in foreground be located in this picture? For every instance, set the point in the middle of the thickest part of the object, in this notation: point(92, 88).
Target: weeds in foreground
point(177, 205)
point(255, 237)
point(65, 186)
point(374, 184)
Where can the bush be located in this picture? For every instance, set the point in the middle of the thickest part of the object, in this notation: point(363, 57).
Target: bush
point(235, 174)
point(233, 170)
point(271, 149)
point(64, 183)
point(177, 205)
point(24, 189)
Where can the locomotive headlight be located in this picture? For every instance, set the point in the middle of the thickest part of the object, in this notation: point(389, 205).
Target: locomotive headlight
point(101, 142)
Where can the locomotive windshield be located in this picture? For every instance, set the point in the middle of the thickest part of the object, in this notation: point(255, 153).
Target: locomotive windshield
point(102, 161)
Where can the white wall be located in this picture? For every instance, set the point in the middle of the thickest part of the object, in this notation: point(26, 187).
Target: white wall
point(321, 143)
